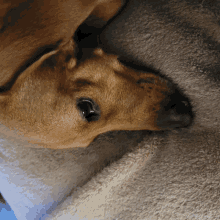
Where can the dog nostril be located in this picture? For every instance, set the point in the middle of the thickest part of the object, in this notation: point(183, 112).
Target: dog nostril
point(89, 110)
point(175, 112)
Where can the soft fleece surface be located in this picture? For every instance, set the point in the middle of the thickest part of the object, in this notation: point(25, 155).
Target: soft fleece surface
point(167, 176)
point(158, 176)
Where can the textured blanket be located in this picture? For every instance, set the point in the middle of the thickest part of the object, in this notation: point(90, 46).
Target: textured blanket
point(136, 175)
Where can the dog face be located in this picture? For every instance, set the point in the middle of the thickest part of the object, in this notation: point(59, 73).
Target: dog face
point(58, 103)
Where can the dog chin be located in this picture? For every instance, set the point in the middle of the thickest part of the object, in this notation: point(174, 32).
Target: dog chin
point(74, 144)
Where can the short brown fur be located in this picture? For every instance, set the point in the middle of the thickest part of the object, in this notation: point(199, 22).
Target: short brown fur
point(41, 105)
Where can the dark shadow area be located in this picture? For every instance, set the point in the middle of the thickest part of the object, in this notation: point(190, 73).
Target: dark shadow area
point(2, 199)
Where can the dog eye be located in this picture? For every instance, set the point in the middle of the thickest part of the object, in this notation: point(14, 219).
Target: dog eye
point(89, 110)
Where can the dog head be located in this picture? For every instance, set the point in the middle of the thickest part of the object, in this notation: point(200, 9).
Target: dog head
point(59, 102)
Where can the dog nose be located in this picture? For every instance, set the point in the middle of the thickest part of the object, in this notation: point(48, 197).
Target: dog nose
point(175, 112)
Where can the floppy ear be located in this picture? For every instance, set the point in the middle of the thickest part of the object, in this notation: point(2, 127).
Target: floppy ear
point(21, 78)
point(30, 70)
point(55, 60)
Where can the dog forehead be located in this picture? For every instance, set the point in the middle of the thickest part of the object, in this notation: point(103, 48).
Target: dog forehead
point(94, 71)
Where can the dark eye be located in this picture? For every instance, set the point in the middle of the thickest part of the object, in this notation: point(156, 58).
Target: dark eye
point(89, 109)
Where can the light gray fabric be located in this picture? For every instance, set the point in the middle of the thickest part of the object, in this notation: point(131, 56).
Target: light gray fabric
point(159, 176)
point(180, 181)
point(173, 175)
point(34, 181)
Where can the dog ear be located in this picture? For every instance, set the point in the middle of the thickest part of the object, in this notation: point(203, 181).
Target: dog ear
point(53, 59)
point(19, 82)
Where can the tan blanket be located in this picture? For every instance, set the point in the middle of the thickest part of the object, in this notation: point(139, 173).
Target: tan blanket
point(137, 175)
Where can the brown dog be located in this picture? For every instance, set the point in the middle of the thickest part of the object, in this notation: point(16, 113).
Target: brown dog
point(57, 102)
